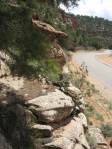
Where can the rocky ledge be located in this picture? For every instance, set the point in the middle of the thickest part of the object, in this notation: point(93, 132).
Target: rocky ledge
point(54, 120)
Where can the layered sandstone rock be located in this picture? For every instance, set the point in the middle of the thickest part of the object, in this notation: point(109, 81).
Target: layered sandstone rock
point(52, 107)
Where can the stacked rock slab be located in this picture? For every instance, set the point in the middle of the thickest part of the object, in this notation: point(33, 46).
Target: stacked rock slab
point(76, 95)
point(53, 107)
point(58, 127)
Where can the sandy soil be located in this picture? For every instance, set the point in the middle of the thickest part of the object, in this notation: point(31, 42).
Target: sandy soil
point(27, 88)
point(105, 92)
point(105, 58)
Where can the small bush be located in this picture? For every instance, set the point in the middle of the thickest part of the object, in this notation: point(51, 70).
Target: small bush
point(89, 111)
point(64, 80)
point(107, 130)
point(92, 141)
point(99, 117)
point(110, 105)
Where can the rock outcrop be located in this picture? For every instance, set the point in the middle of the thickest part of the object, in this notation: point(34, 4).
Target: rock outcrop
point(57, 53)
point(48, 28)
point(50, 121)
point(65, 129)
point(68, 135)
point(52, 107)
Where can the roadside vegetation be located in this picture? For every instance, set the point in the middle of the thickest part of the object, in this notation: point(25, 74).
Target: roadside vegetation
point(110, 105)
point(106, 130)
point(93, 32)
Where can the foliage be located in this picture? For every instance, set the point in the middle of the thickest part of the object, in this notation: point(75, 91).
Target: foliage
point(92, 141)
point(68, 2)
point(64, 80)
point(79, 79)
point(93, 31)
point(106, 130)
point(13, 127)
point(99, 117)
point(89, 111)
point(110, 105)
point(27, 46)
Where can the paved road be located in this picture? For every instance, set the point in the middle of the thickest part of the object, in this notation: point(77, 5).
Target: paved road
point(96, 69)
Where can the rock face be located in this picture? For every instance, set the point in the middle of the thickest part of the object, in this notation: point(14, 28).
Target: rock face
point(74, 92)
point(46, 122)
point(63, 129)
point(83, 119)
point(56, 51)
point(52, 107)
point(69, 135)
point(3, 143)
point(76, 95)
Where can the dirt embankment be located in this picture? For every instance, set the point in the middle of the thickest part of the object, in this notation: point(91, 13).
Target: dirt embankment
point(99, 100)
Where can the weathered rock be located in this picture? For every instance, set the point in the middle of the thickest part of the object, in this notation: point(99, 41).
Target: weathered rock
point(39, 143)
point(53, 107)
point(97, 134)
point(81, 104)
point(43, 141)
point(57, 52)
point(29, 117)
point(47, 28)
point(60, 143)
point(74, 92)
point(76, 95)
point(41, 131)
point(73, 131)
point(3, 143)
point(78, 146)
point(83, 119)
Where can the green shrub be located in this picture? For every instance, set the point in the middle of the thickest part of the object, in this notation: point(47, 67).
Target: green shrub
point(92, 141)
point(106, 130)
point(110, 105)
point(64, 80)
point(89, 111)
point(28, 47)
point(99, 117)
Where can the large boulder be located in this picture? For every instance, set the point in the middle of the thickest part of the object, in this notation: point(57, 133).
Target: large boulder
point(53, 107)
point(67, 136)
point(60, 143)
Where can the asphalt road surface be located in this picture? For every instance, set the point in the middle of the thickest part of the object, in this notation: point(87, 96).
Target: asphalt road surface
point(98, 70)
